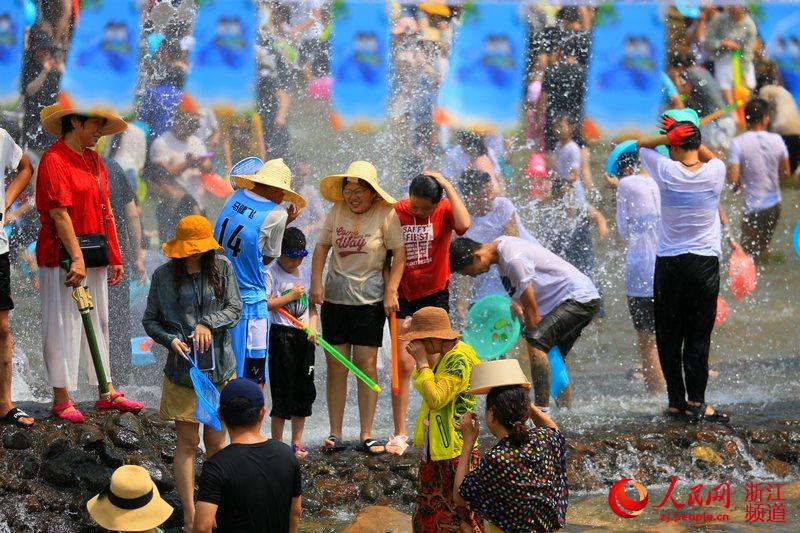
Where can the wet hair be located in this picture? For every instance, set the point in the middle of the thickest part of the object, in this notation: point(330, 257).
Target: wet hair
point(681, 60)
point(473, 182)
point(462, 253)
point(66, 123)
point(426, 188)
point(240, 413)
point(755, 110)
point(569, 14)
point(629, 161)
point(694, 141)
point(472, 143)
point(511, 407)
point(208, 271)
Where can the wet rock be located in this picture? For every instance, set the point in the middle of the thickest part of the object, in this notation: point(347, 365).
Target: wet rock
point(793, 436)
point(581, 447)
point(411, 473)
point(168, 453)
point(760, 435)
point(388, 481)
point(319, 470)
point(28, 468)
point(130, 422)
point(706, 456)
point(310, 505)
point(679, 436)
point(646, 445)
point(403, 462)
point(379, 519)
point(19, 439)
point(778, 468)
point(110, 455)
point(87, 435)
point(376, 463)
point(64, 470)
point(124, 438)
point(56, 446)
point(730, 447)
point(158, 472)
point(409, 497)
point(334, 491)
point(789, 453)
point(705, 436)
point(370, 492)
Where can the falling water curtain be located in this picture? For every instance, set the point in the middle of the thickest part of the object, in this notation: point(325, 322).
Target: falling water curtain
point(103, 61)
point(359, 64)
point(779, 26)
point(483, 87)
point(12, 38)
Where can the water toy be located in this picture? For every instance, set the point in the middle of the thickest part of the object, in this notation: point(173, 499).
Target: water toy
point(141, 351)
point(248, 165)
point(332, 351)
point(683, 115)
point(216, 185)
point(796, 238)
point(395, 354)
point(625, 147)
point(668, 85)
point(559, 379)
point(721, 112)
point(722, 312)
point(740, 92)
point(536, 171)
point(741, 274)
point(491, 329)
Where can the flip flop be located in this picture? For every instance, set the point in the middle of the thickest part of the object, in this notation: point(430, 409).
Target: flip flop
point(125, 406)
point(335, 445)
point(397, 445)
point(74, 416)
point(696, 413)
point(299, 451)
point(14, 415)
point(368, 445)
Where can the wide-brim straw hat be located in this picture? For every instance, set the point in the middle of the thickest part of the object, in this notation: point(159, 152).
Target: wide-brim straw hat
point(131, 502)
point(499, 373)
point(331, 186)
point(193, 235)
point(430, 323)
point(51, 118)
point(276, 174)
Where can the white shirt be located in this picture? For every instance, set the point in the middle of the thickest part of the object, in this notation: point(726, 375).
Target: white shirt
point(758, 154)
point(278, 282)
point(271, 234)
point(10, 156)
point(169, 149)
point(638, 213)
point(302, 10)
point(132, 152)
point(553, 280)
point(568, 158)
point(689, 199)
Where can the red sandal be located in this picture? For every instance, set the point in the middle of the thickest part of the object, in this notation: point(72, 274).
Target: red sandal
point(74, 416)
point(125, 405)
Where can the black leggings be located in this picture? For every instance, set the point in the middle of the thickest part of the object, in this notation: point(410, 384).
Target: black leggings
point(685, 289)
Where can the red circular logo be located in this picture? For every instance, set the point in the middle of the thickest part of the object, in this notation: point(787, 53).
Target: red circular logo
point(621, 504)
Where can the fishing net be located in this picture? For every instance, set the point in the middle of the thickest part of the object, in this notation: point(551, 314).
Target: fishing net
point(207, 399)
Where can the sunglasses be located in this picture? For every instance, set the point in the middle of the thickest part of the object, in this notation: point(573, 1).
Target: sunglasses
point(294, 254)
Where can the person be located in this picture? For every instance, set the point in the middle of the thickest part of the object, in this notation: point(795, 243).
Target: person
point(250, 229)
point(41, 78)
point(563, 88)
point(553, 298)
point(520, 484)
point(253, 484)
point(471, 153)
point(638, 213)
point(130, 502)
point(291, 351)
point(732, 31)
point(428, 221)
point(361, 228)
point(444, 365)
point(72, 199)
point(757, 162)
point(274, 99)
point(306, 28)
point(784, 118)
point(11, 159)
point(173, 202)
point(686, 276)
point(312, 216)
point(192, 304)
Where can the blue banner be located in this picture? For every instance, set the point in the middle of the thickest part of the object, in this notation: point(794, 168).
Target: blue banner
point(12, 39)
point(624, 84)
point(223, 62)
point(779, 25)
point(103, 61)
point(483, 87)
point(360, 65)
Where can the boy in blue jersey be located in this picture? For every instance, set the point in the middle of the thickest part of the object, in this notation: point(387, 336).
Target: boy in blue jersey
point(250, 229)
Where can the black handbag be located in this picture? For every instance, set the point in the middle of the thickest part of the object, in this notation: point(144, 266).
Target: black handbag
point(94, 246)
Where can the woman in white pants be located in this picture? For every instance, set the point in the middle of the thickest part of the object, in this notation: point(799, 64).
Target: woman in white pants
point(72, 198)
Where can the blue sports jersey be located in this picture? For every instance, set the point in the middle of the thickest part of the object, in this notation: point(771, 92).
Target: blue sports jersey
point(237, 231)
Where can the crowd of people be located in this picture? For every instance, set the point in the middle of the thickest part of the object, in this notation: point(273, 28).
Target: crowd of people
point(238, 276)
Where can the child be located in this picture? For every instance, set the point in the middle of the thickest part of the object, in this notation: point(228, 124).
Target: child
point(291, 353)
point(444, 366)
point(556, 300)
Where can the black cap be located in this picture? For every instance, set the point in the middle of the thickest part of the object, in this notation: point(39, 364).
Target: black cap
point(293, 239)
point(241, 394)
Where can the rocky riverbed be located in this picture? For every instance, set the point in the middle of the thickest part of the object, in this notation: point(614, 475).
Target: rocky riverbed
point(47, 474)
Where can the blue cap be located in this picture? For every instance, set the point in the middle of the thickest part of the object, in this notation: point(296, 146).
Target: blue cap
point(688, 8)
point(241, 388)
point(612, 163)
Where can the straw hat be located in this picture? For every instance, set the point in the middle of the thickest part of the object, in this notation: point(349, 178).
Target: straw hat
point(52, 114)
point(430, 323)
point(500, 373)
point(193, 235)
point(130, 502)
point(435, 8)
point(274, 173)
point(331, 186)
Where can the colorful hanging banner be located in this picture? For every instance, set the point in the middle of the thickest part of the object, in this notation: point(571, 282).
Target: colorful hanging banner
point(483, 87)
point(12, 40)
point(624, 84)
point(103, 61)
point(360, 65)
point(222, 71)
point(779, 25)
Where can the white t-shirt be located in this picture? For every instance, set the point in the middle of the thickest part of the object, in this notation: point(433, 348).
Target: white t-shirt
point(302, 10)
point(638, 212)
point(10, 156)
point(568, 157)
point(132, 152)
point(554, 281)
point(278, 282)
point(689, 200)
point(271, 234)
point(758, 154)
point(169, 149)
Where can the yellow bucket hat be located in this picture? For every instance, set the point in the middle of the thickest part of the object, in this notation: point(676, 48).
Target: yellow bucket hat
point(51, 117)
point(131, 502)
point(276, 174)
point(331, 186)
point(436, 8)
point(193, 235)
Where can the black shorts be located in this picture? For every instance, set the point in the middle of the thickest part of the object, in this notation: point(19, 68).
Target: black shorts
point(792, 143)
point(439, 299)
point(6, 303)
point(254, 369)
point(562, 326)
point(291, 372)
point(360, 325)
point(643, 313)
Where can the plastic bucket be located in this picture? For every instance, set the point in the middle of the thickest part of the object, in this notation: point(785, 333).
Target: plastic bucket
point(491, 329)
point(559, 379)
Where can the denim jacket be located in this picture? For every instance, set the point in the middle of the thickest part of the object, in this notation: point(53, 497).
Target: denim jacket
point(172, 314)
